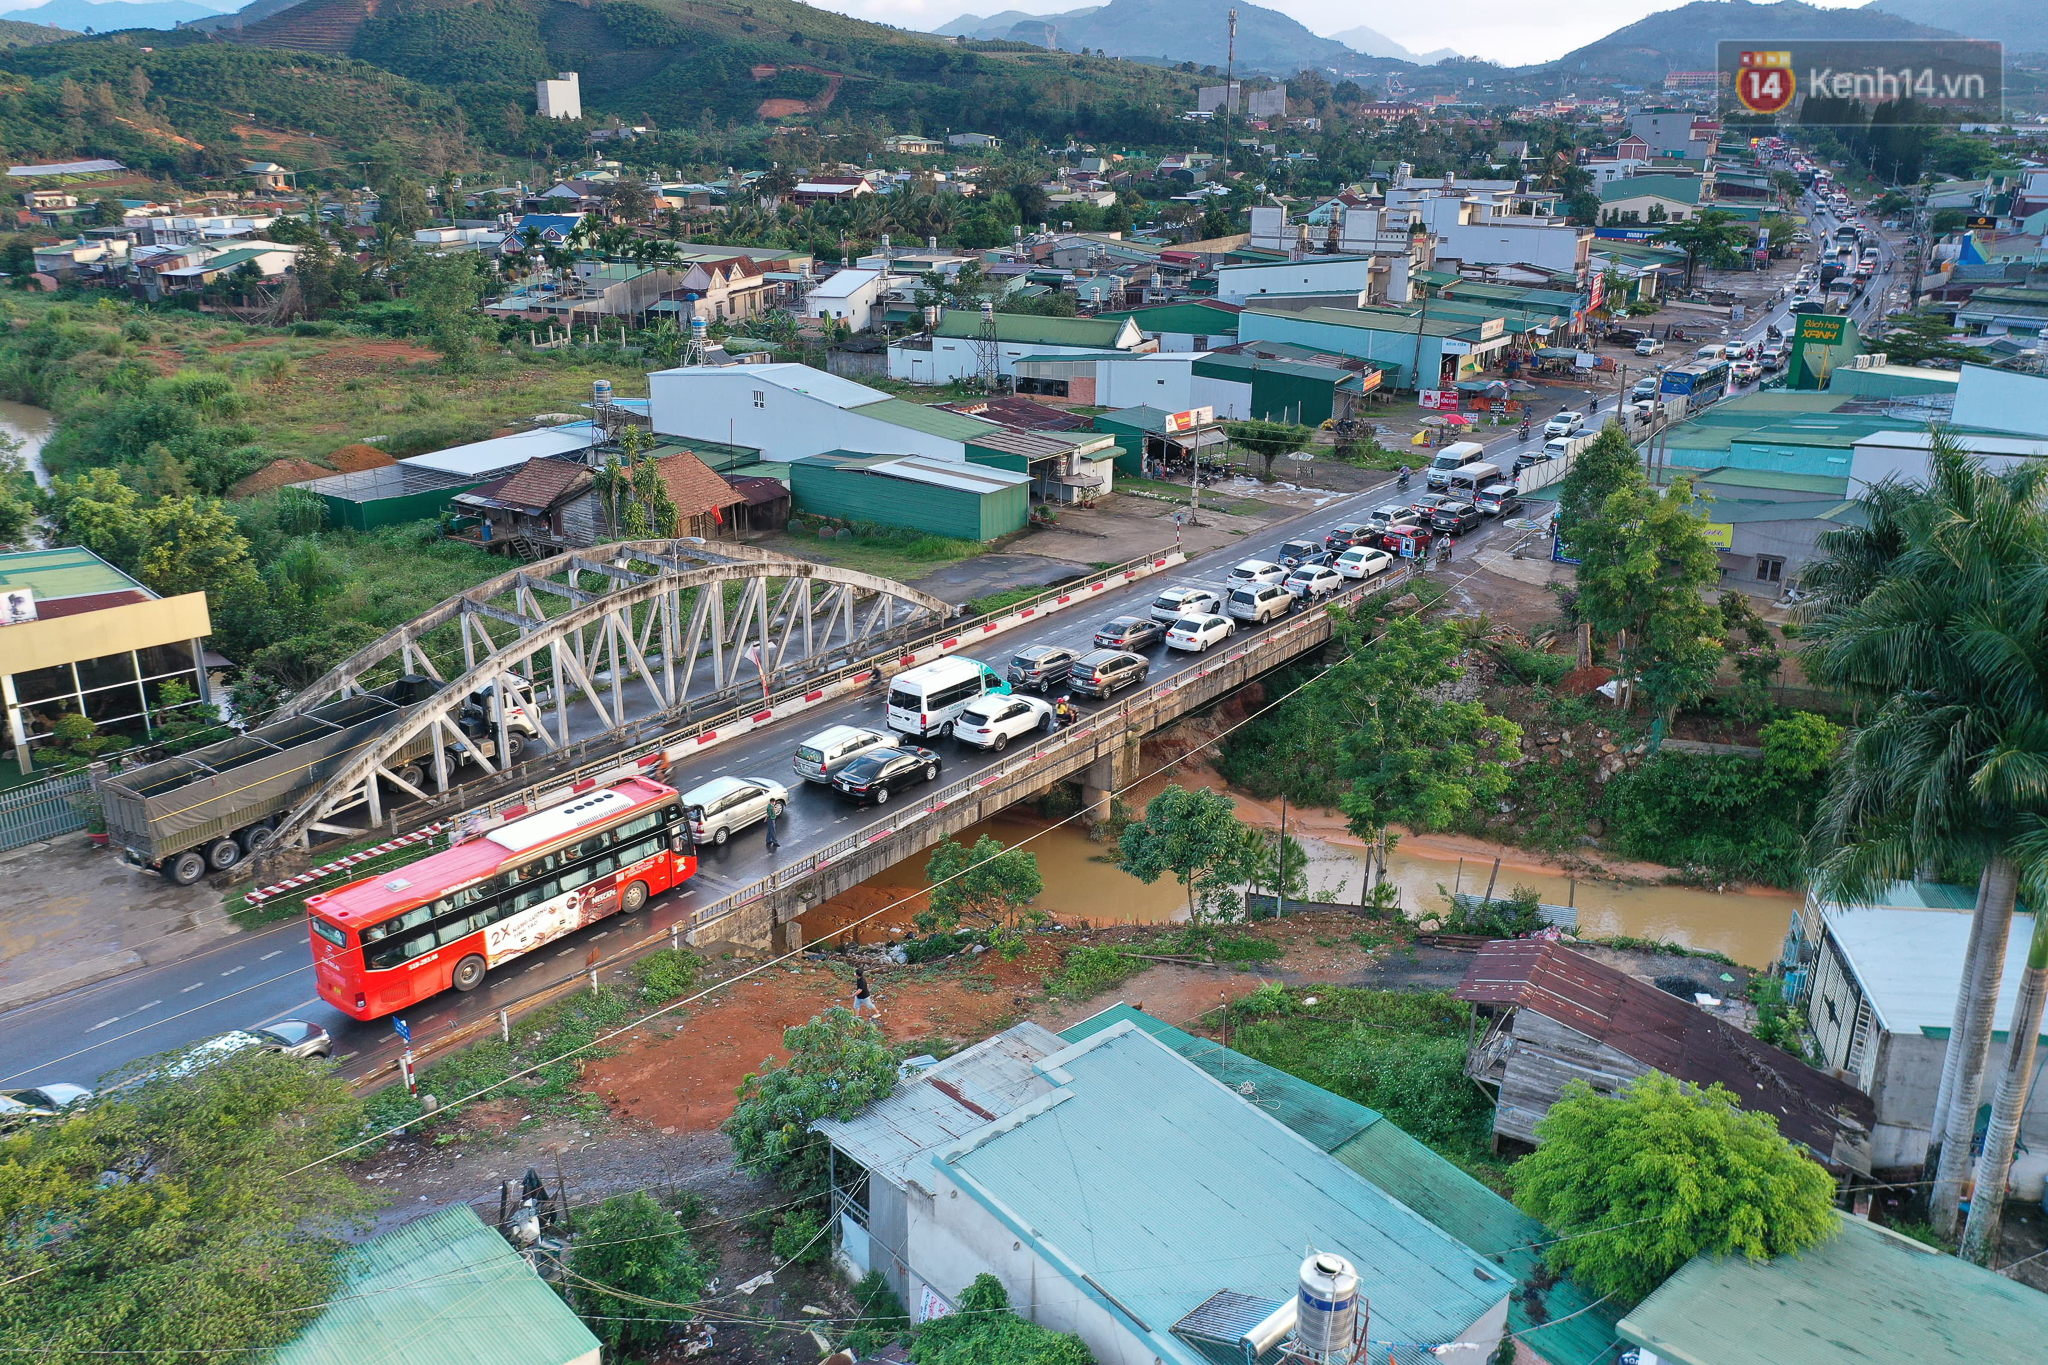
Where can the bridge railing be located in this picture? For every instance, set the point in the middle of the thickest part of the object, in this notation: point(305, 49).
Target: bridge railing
point(1281, 641)
point(650, 739)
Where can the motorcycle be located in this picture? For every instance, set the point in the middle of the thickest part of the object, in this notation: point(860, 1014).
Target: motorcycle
point(1401, 481)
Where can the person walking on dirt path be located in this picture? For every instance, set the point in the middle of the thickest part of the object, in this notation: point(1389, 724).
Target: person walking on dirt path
point(773, 842)
point(863, 998)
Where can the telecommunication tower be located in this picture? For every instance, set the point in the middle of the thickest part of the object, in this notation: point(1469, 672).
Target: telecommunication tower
point(987, 354)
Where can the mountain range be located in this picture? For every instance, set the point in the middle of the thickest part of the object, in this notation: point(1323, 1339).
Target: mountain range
point(115, 15)
point(1684, 39)
point(1374, 43)
point(2022, 25)
point(1169, 31)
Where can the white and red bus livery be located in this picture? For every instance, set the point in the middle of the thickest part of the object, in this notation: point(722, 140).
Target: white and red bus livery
point(392, 940)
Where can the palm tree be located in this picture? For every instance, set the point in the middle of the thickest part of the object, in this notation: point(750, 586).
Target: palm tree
point(1994, 1168)
point(1952, 769)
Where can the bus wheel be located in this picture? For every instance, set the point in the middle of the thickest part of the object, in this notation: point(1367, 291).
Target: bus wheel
point(469, 973)
point(185, 869)
point(223, 854)
point(634, 899)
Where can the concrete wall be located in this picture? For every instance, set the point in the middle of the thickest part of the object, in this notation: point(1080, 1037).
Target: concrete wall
point(952, 358)
point(1239, 283)
point(1513, 241)
point(1164, 382)
point(2003, 400)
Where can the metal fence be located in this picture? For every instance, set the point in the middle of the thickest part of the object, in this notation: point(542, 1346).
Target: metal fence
point(42, 810)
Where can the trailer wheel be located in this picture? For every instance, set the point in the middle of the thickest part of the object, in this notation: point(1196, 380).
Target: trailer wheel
point(515, 745)
point(256, 838)
point(633, 899)
point(469, 973)
point(223, 854)
point(185, 869)
point(412, 775)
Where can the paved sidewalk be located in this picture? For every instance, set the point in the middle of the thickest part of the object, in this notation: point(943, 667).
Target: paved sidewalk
point(71, 914)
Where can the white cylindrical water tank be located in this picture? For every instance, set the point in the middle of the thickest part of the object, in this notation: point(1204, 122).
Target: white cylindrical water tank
point(1326, 1315)
point(601, 391)
point(700, 330)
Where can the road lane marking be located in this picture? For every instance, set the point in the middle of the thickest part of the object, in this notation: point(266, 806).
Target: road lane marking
point(150, 1006)
point(103, 1023)
point(191, 988)
point(267, 956)
point(232, 970)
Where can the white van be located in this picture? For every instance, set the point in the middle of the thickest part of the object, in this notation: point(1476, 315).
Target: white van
point(1557, 447)
point(1453, 457)
point(826, 752)
point(1463, 483)
point(1716, 351)
point(926, 700)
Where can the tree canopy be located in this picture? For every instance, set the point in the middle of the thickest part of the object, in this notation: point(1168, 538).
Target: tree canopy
point(179, 1218)
point(987, 886)
point(982, 1330)
point(1194, 834)
point(628, 1250)
point(1636, 1184)
point(839, 1064)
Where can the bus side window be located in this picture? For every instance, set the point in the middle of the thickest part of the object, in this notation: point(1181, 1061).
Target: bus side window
point(574, 877)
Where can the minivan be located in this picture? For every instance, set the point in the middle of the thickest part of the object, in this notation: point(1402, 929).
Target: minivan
point(1043, 667)
point(725, 805)
point(1463, 483)
point(826, 752)
point(1453, 457)
point(924, 700)
point(1105, 672)
point(1498, 500)
point(1258, 603)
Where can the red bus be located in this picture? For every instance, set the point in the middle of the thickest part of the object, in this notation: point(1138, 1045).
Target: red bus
point(394, 939)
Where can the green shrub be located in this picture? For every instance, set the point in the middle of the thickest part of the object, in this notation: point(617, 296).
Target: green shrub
point(882, 1322)
point(982, 1331)
point(633, 1245)
point(666, 974)
point(1089, 969)
point(799, 1239)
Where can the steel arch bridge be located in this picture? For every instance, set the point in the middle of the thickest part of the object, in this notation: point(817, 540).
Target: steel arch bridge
point(588, 636)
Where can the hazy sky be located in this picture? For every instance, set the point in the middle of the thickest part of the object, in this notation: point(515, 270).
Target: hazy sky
point(1512, 32)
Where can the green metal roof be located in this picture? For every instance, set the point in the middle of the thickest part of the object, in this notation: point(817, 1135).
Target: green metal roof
point(68, 572)
point(1408, 1170)
point(1138, 419)
point(1380, 320)
point(1864, 1295)
point(444, 1290)
point(1147, 1182)
point(954, 426)
point(1683, 189)
point(1191, 319)
point(1783, 480)
point(1031, 329)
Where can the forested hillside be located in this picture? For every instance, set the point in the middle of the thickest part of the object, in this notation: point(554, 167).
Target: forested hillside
point(194, 106)
point(710, 65)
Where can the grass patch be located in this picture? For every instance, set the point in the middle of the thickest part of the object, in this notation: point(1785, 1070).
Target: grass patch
point(563, 1027)
point(1089, 970)
point(1220, 945)
point(1658, 945)
point(1001, 601)
point(1399, 1052)
point(903, 556)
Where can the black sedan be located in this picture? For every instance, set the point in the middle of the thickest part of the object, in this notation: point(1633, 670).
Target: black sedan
point(1130, 632)
point(877, 775)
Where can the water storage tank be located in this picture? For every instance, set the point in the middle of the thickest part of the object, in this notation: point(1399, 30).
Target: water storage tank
point(601, 391)
point(700, 330)
point(1327, 1313)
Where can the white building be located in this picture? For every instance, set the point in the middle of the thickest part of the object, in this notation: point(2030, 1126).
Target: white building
point(953, 349)
point(2000, 416)
point(1114, 379)
point(561, 97)
point(1480, 227)
point(788, 411)
point(849, 296)
point(1313, 275)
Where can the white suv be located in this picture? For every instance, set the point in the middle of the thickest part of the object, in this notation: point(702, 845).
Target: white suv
point(1176, 603)
point(1565, 424)
point(1258, 603)
point(1257, 571)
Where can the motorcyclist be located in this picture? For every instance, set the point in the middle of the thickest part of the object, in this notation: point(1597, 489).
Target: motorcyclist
point(1401, 479)
point(1064, 714)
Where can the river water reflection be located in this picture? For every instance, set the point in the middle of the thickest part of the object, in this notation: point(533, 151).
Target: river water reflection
point(31, 426)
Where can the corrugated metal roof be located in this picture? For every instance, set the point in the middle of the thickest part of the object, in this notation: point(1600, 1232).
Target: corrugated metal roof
point(1036, 445)
point(957, 1097)
point(1830, 1117)
point(953, 426)
point(444, 1290)
point(1406, 1169)
point(1910, 962)
point(1030, 329)
point(974, 478)
point(1865, 1295)
point(506, 452)
point(66, 572)
point(1153, 1186)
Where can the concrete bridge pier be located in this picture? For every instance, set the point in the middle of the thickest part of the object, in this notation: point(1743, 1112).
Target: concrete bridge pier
point(1107, 775)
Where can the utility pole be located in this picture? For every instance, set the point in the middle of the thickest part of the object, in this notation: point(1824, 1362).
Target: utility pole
point(1229, 94)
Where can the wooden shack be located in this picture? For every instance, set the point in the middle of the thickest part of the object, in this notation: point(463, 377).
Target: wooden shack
point(1552, 1016)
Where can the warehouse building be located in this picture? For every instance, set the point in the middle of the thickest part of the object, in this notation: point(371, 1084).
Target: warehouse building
point(942, 497)
point(787, 411)
point(951, 351)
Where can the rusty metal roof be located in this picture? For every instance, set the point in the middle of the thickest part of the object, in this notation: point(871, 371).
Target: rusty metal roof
point(1830, 1117)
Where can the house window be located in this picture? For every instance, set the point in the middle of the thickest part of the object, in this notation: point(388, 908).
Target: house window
point(1770, 568)
point(760, 399)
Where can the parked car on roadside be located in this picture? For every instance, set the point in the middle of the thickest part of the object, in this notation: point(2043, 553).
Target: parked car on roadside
point(1312, 581)
point(877, 776)
point(1649, 346)
point(1103, 673)
point(1130, 632)
point(1174, 603)
point(993, 722)
point(1040, 667)
point(1196, 633)
point(1363, 561)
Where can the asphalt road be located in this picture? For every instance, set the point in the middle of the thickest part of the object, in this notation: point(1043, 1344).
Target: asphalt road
point(266, 974)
